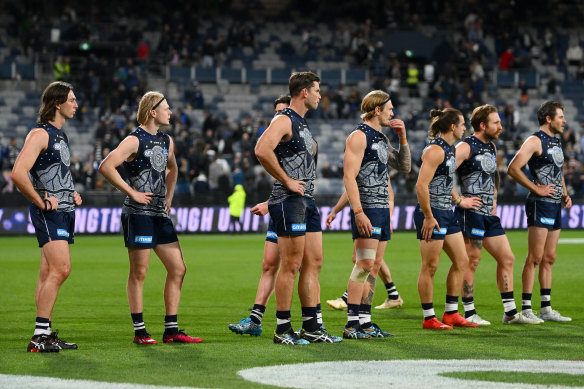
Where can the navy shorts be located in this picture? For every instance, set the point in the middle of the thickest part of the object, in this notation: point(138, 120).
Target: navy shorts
point(380, 220)
point(295, 216)
point(445, 218)
point(146, 232)
point(52, 225)
point(543, 214)
point(477, 226)
point(271, 235)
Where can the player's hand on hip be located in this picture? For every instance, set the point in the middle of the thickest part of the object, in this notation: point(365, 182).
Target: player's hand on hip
point(77, 200)
point(51, 202)
point(545, 190)
point(470, 202)
point(295, 186)
point(141, 197)
point(566, 201)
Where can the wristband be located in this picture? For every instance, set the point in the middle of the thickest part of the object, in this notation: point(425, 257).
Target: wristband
point(358, 211)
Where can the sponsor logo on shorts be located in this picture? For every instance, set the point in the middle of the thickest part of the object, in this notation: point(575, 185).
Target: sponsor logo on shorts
point(376, 230)
point(547, 220)
point(479, 232)
point(143, 239)
point(441, 231)
point(298, 227)
point(62, 232)
point(272, 235)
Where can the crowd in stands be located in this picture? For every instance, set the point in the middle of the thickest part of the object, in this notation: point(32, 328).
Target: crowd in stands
point(216, 154)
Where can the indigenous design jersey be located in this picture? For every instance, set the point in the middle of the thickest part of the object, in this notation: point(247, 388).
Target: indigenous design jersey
point(477, 174)
point(51, 172)
point(547, 168)
point(441, 185)
point(147, 172)
point(297, 157)
point(373, 175)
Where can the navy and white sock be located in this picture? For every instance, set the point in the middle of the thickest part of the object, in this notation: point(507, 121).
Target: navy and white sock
point(525, 301)
point(509, 303)
point(546, 299)
point(283, 322)
point(469, 308)
point(345, 296)
point(309, 321)
point(364, 316)
point(42, 326)
point(352, 315)
point(451, 305)
point(139, 327)
point(428, 309)
point(257, 313)
point(319, 315)
point(392, 293)
point(170, 324)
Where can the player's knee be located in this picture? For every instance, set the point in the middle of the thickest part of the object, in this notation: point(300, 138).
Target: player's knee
point(473, 263)
point(63, 273)
point(269, 268)
point(430, 268)
point(359, 274)
point(138, 274)
point(549, 259)
point(507, 261)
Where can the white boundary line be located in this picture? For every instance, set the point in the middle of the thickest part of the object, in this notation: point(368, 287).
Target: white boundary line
point(33, 382)
point(571, 240)
point(403, 373)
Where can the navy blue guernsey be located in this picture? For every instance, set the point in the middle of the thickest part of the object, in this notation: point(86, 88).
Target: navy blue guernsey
point(441, 185)
point(477, 173)
point(547, 168)
point(372, 177)
point(147, 173)
point(51, 172)
point(296, 157)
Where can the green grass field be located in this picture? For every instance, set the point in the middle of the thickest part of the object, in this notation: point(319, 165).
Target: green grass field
point(220, 285)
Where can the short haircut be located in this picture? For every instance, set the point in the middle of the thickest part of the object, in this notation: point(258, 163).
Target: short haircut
point(372, 100)
point(147, 103)
point(442, 119)
point(549, 108)
point(481, 115)
point(301, 80)
point(56, 93)
point(283, 99)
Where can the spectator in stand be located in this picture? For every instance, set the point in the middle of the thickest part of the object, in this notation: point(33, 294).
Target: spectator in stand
point(194, 96)
point(506, 59)
point(574, 54)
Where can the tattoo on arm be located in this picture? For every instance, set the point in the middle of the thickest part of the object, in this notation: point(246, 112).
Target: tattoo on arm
point(401, 159)
point(369, 299)
point(468, 289)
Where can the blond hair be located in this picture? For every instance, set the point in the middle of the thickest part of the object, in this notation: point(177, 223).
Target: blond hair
point(147, 104)
point(373, 99)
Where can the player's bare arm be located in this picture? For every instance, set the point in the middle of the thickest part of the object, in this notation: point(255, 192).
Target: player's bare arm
point(354, 151)
point(126, 151)
point(432, 157)
point(532, 146)
point(35, 143)
point(280, 130)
